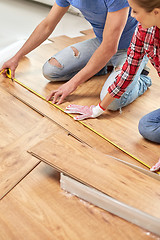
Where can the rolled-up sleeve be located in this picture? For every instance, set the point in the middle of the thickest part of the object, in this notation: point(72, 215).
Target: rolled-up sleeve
point(135, 55)
point(62, 3)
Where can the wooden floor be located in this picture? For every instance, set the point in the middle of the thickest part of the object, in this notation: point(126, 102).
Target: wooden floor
point(32, 204)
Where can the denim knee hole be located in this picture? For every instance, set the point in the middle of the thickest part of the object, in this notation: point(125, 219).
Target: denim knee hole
point(76, 53)
point(54, 62)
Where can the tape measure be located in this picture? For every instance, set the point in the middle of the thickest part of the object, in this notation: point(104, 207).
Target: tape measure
point(8, 74)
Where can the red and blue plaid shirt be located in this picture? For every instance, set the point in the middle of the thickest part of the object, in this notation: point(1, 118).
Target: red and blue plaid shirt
point(144, 41)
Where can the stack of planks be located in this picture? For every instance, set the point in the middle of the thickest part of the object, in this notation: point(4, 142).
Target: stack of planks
point(32, 130)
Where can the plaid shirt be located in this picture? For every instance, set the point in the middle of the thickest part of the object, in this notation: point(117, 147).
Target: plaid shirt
point(144, 41)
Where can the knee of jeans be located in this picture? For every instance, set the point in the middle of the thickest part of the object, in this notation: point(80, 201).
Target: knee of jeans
point(51, 72)
point(76, 53)
point(147, 132)
point(141, 126)
point(114, 106)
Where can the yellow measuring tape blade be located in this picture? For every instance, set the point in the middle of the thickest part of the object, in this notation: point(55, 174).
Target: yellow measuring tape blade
point(8, 73)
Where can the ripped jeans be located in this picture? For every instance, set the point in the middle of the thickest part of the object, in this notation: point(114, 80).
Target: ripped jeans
point(71, 62)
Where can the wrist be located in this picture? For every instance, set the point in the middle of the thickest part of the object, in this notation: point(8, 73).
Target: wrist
point(17, 57)
point(101, 107)
point(97, 111)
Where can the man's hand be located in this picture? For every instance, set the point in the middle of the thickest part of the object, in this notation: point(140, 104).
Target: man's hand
point(61, 93)
point(12, 64)
point(156, 167)
point(85, 111)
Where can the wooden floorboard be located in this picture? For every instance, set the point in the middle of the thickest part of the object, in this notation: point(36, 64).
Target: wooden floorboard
point(80, 132)
point(93, 168)
point(29, 73)
point(15, 162)
point(38, 209)
point(61, 40)
point(15, 118)
point(122, 129)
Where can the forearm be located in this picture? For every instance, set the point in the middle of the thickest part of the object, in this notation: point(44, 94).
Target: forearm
point(107, 100)
point(35, 39)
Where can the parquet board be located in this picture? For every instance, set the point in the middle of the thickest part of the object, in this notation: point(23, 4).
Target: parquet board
point(38, 209)
point(15, 162)
point(93, 168)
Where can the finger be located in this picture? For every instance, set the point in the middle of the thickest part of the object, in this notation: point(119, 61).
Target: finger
point(4, 74)
point(73, 106)
point(49, 97)
point(61, 99)
point(56, 96)
point(82, 117)
point(156, 167)
point(73, 111)
point(12, 73)
point(69, 111)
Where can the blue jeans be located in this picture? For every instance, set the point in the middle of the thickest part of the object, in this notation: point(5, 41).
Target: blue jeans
point(138, 86)
point(149, 126)
point(71, 64)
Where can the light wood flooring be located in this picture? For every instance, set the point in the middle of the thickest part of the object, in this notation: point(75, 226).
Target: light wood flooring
point(33, 206)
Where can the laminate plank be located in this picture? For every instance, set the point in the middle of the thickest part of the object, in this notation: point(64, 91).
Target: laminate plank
point(74, 128)
point(94, 169)
point(15, 162)
point(38, 209)
point(15, 118)
point(122, 129)
point(60, 40)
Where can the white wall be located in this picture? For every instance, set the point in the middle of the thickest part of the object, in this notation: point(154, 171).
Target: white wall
point(51, 2)
point(48, 2)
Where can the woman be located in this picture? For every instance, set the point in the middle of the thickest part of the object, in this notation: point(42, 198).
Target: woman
point(146, 40)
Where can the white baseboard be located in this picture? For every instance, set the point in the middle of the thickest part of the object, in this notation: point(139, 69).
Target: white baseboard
point(10, 51)
point(110, 204)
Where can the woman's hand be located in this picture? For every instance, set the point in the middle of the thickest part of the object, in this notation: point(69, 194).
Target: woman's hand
point(85, 111)
point(156, 167)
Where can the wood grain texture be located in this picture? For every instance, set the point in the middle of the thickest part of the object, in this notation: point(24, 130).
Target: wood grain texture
point(38, 209)
point(93, 168)
point(122, 129)
point(15, 162)
point(73, 127)
point(61, 40)
point(15, 118)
